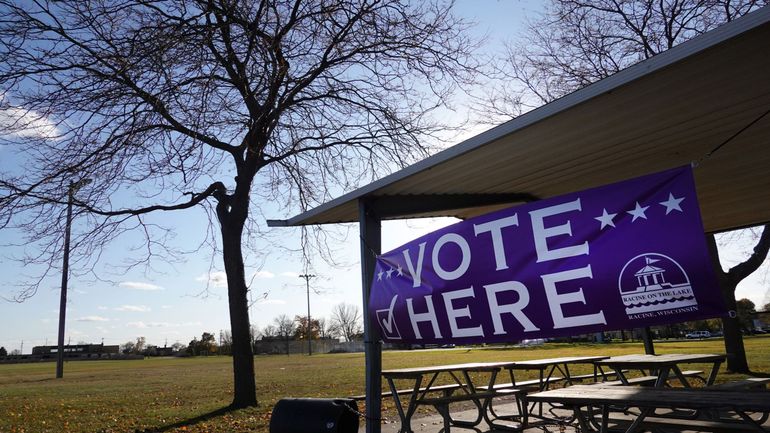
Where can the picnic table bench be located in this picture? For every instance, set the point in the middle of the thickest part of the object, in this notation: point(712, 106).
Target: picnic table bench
point(462, 389)
point(448, 389)
point(642, 380)
point(649, 380)
point(742, 384)
point(648, 399)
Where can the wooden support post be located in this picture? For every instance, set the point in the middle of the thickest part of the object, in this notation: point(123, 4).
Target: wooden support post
point(371, 240)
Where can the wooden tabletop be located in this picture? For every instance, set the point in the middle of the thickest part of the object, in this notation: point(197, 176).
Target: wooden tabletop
point(419, 371)
point(488, 366)
point(653, 361)
point(537, 363)
point(691, 398)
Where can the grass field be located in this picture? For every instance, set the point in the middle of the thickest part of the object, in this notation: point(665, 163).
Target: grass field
point(187, 394)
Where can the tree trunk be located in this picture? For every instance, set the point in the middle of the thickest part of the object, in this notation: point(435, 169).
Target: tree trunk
point(728, 282)
point(736, 354)
point(245, 392)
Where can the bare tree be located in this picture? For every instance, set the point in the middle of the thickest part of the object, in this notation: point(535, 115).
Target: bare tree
point(347, 319)
point(178, 347)
point(128, 347)
point(325, 328)
point(226, 342)
point(139, 346)
point(254, 333)
point(284, 326)
point(577, 42)
point(269, 331)
point(220, 105)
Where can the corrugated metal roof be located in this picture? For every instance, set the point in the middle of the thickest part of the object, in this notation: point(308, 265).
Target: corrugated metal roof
point(667, 111)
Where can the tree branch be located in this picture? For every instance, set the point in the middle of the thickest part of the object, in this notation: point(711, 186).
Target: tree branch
point(742, 270)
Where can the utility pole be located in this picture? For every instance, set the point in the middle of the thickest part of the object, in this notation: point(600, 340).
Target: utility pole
point(307, 278)
point(74, 186)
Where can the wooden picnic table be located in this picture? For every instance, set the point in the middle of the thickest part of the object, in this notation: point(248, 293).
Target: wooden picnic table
point(662, 366)
point(552, 366)
point(648, 399)
point(425, 386)
point(547, 374)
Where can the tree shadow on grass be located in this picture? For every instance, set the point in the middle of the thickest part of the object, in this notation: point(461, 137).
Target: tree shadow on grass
point(190, 422)
point(44, 379)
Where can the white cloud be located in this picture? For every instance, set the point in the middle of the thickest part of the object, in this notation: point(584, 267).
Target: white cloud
point(135, 285)
point(138, 324)
point(92, 319)
point(142, 325)
point(264, 274)
point(133, 308)
point(215, 279)
point(102, 307)
point(290, 274)
point(19, 122)
point(167, 307)
point(272, 302)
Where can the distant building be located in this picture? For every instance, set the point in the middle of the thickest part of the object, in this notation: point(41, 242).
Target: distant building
point(76, 351)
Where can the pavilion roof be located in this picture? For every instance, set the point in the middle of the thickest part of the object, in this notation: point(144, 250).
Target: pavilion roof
point(670, 110)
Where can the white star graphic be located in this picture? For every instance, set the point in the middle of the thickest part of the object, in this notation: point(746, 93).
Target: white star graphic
point(400, 271)
point(638, 212)
point(672, 203)
point(389, 272)
point(379, 275)
point(606, 219)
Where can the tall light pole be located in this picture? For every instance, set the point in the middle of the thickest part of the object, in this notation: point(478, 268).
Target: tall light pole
point(74, 186)
point(307, 278)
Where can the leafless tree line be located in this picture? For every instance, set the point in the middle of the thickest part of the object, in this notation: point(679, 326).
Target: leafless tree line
point(345, 322)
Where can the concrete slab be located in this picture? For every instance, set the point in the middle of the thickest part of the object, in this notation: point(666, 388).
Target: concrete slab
point(432, 423)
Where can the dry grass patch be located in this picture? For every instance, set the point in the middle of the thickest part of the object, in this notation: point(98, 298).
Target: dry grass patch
point(187, 395)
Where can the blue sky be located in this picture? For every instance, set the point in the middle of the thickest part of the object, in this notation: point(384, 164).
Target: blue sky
point(176, 302)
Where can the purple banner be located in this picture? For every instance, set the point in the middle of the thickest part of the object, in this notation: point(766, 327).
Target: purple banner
point(619, 256)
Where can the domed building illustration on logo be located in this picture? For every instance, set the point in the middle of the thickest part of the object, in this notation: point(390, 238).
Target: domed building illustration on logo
point(654, 282)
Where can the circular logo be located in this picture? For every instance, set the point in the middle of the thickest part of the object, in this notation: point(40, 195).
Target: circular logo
point(652, 283)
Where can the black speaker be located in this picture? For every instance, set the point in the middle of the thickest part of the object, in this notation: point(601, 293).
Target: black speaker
point(314, 415)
